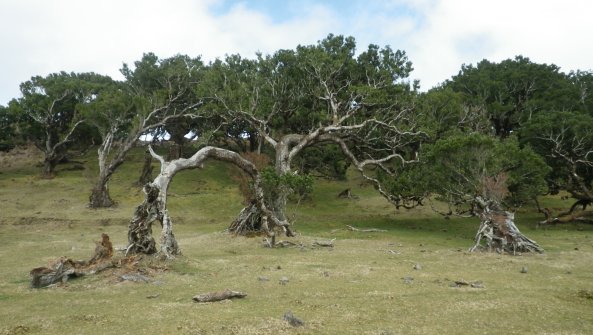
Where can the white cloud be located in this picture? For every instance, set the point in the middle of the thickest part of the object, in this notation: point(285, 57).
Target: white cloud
point(466, 31)
point(39, 36)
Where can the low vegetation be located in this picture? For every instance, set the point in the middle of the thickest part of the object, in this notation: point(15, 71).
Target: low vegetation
point(408, 279)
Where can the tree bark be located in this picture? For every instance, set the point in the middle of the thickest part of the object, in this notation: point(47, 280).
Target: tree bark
point(146, 175)
point(498, 231)
point(49, 165)
point(100, 197)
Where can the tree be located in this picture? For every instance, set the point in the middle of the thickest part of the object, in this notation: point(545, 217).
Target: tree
point(8, 131)
point(478, 175)
point(565, 139)
point(49, 111)
point(156, 91)
point(320, 94)
point(512, 91)
point(154, 207)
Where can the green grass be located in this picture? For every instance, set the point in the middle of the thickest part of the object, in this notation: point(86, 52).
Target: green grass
point(357, 287)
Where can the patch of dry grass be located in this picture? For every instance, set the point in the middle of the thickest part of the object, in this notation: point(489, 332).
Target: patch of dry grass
point(366, 284)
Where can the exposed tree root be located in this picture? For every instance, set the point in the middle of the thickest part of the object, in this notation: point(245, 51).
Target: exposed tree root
point(251, 222)
point(499, 232)
point(347, 194)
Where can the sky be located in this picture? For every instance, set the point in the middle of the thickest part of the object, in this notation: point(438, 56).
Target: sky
point(39, 37)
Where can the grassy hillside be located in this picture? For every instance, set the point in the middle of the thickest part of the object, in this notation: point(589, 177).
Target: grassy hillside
point(366, 284)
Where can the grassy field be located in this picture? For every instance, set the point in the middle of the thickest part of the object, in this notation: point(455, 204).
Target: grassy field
point(366, 284)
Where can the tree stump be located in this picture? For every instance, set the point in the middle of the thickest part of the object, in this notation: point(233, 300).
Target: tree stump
point(498, 230)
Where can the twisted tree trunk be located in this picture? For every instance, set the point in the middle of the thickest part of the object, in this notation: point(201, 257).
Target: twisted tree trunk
point(100, 194)
point(146, 174)
point(154, 207)
point(100, 197)
point(498, 231)
point(250, 219)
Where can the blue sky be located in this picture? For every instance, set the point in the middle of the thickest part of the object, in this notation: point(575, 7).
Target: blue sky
point(39, 37)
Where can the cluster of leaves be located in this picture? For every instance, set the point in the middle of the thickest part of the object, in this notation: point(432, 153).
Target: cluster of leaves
point(300, 185)
point(469, 171)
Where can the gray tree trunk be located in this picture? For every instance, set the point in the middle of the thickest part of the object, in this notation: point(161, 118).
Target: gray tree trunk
point(100, 197)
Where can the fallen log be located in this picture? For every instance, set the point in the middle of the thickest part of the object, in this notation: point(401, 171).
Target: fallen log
point(218, 296)
point(63, 269)
point(325, 244)
point(366, 230)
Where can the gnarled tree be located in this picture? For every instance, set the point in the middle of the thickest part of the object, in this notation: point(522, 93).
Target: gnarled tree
point(565, 139)
point(154, 207)
point(49, 112)
point(479, 175)
point(320, 94)
point(156, 91)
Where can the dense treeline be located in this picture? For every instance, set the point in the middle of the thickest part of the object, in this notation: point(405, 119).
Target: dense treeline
point(493, 137)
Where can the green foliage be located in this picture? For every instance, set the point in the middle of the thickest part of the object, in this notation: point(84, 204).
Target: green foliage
point(462, 168)
point(513, 90)
point(49, 113)
point(565, 140)
point(324, 160)
point(165, 85)
point(443, 112)
point(8, 129)
point(287, 183)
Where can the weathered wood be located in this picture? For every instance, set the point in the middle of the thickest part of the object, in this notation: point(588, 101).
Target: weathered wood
point(366, 230)
point(218, 296)
point(325, 244)
point(63, 269)
point(566, 217)
point(498, 230)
